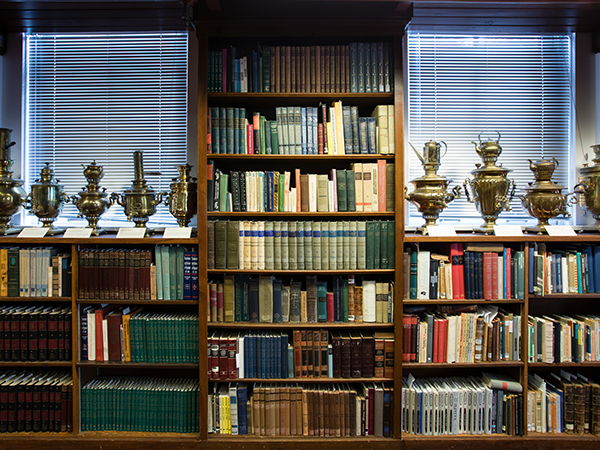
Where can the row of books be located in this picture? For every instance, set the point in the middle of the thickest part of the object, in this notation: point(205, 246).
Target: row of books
point(149, 404)
point(486, 271)
point(243, 298)
point(572, 269)
point(36, 401)
point(563, 403)
point(366, 187)
point(35, 333)
point(353, 67)
point(34, 272)
point(492, 404)
point(558, 338)
point(119, 333)
point(489, 334)
point(300, 130)
point(134, 274)
point(326, 410)
point(301, 245)
point(303, 354)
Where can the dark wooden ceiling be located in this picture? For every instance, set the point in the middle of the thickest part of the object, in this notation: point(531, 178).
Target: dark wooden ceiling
point(134, 15)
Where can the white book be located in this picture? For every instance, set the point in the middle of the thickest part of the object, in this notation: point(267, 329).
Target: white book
point(91, 335)
point(332, 245)
point(423, 341)
point(451, 350)
point(369, 301)
point(261, 245)
point(333, 147)
point(50, 285)
point(248, 177)
point(367, 180)
point(247, 245)
point(500, 294)
point(277, 245)
point(312, 192)
point(358, 186)
point(269, 260)
point(105, 339)
point(233, 413)
point(361, 245)
point(374, 192)
point(352, 245)
point(565, 274)
point(240, 357)
point(293, 204)
point(254, 245)
point(423, 264)
point(331, 190)
point(286, 191)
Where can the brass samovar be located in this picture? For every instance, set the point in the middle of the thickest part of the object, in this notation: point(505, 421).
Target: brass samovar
point(140, 200)
point(92, 201)
point(46, 199)
point(589, 188)
point(11, 189)
point(544, 199)
point(489, 189)
point(182, 200)
point(429, 194)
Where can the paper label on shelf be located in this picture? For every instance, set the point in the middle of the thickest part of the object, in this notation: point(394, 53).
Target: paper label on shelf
point(33, 232)
point(508, 230)
point(178, 233)
point(78, 233)
point(560, 230)
point(131, 232)
point(441, 230)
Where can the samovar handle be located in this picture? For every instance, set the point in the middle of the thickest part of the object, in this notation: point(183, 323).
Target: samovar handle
point(468, 193)
point(26, 203)
point(495, 131)
point(446, 147)
point(115, 197)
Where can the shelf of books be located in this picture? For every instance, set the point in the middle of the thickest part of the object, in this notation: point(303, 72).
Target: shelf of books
point(302, 226)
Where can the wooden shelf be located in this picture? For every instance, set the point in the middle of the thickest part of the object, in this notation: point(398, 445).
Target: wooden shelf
point(485, 364)
point(302, 380)
point(35, 364)
point(466, 236)
point(574, 365)
point(95, 240)
point(139, 435)
point(296, 325)
point(356, 215)
point(273, 99)
point(136, 302)
point(459, 302)
point(137, 365)
point(303, 272)
point(537, 298)
point(352, 157)
point(36, 299)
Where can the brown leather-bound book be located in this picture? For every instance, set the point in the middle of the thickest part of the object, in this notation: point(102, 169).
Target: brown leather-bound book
point(316, 349)
point(302, 69)
point(352, 397)
point(304, 196)
point(271, 411)
point(304, 356)
point(579, 401)
point(293, 427)
point(379, 357)
point(326, 395)
point(300, 58)
point(276, 410)
point(305, 412)
point(356, 355)
point(315, 410)
point(479, 334)
point(263, 411)
point(299, 412)
point(358, 303)
point(595, 409)
point(113, 321)
point(210, 244)
point(348, 417)
point(336, 343)
point(324, 353)
point(311, 410)
point(315, 68)
point(82, 261)
point(332, 409)
point(327, 80)
point(346, 64)
point(275, 56)
point(288, 69)
point(256, 406)
point(342, 411)
point(338, 63)
point(223, 356)
point(346, 356)
point(297, 353)
point(343, 68)
point(389, 352)
point(220, 309)
point(292, 74)
point(320, 431)
point(147, 273)
point(285, 410)
point(69, 406)
point(337, 413)
point(120, 277)
point(368, 356)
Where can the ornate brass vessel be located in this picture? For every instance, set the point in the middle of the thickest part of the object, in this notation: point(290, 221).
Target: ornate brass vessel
point(490, 190)
point(544, 199)
point(589, 188)
point(182, 200)
point(429, 194)
point(46, 199)
point(140, 200)
point(11, 189)
point(92, 202)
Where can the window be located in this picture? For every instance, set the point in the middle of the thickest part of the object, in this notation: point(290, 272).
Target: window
point(460, 86)
point(102, 97)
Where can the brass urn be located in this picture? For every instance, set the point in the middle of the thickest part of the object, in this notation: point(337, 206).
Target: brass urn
point(544, 199)
point(140, 200)
point(182, 199)
point(46, 199)
point(92, 201)
point(430, 194)
point(589, 188)
point(490, 189)
point(11, 189)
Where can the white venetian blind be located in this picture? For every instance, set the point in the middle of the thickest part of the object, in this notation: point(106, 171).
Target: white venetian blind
point(460, 86)
point(102, 97)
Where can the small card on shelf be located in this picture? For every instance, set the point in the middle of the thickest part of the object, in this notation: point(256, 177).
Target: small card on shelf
point(77, 233)
point(129, 233)
point(508, 230)
point(560, 230)
point(33, 232)
point(178, 233)
point(441, 230)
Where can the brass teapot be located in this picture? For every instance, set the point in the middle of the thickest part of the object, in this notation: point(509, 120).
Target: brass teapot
point(46, 199)
point(92, 201)
point(11, 189)
point(429, 194)
point(588, 188)
point(544, 199)
point(490, 189)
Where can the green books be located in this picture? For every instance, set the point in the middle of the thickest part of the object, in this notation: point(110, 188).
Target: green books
point(295, 294)
point(228, 298)
point(345, 299)
point(233, 232)
point(391, 244)
point(265, 298)
point(376, 244)
point(350, 191)
point(341, 191)
point(384, 245)
point(229, 130)
point(322, 301)
point(220, 246)
point(370, 243)
point(223, 192)
point(172, 272)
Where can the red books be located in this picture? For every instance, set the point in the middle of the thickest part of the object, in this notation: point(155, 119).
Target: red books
point(381, 185)
point(298, 193)
point(100, 314)
point(458, 273)
point(436, 340)
point(406, 338)
point(443, 339)
point(508, 274)
point(330, 308)
point(414, 320)
point(223, 357)
point(487, 276)
point(495, 280)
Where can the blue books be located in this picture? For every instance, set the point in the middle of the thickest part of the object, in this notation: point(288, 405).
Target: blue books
point(242, 400)
point(187, 275)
